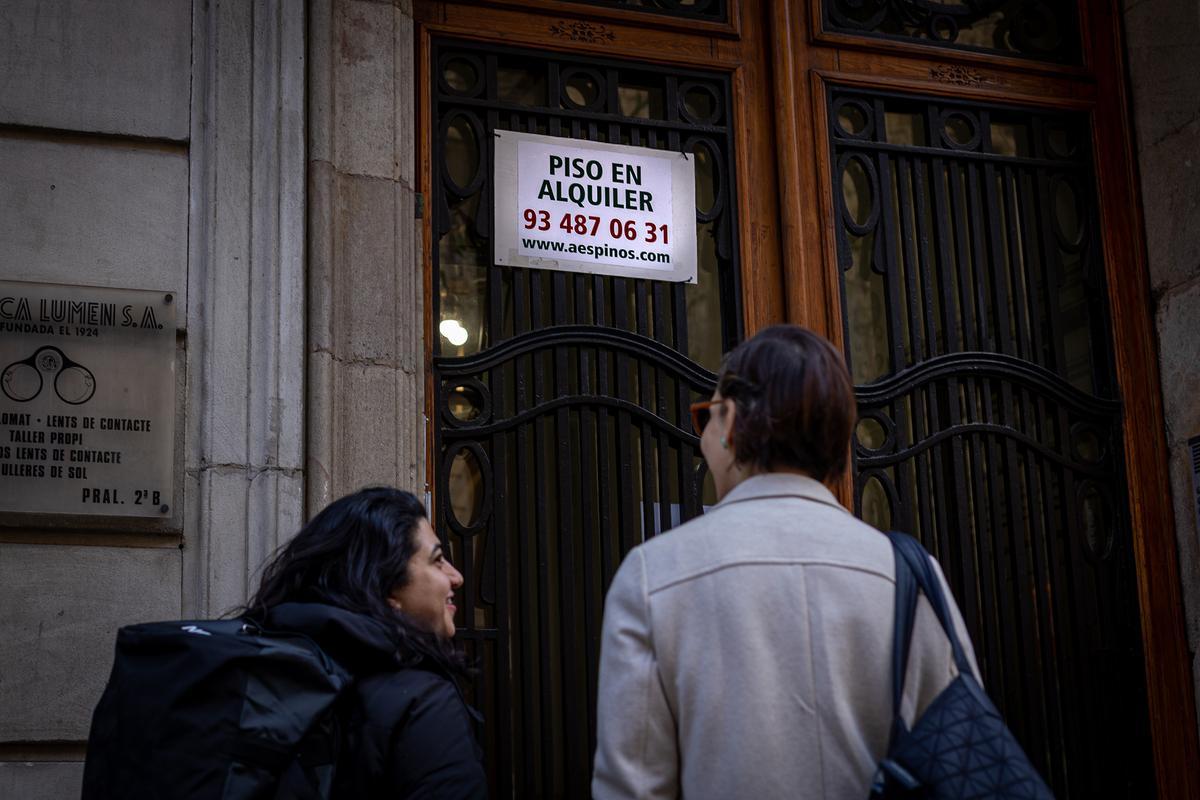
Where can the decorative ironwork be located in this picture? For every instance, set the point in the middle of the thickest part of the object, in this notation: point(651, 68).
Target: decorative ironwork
point(579, 31)
point(978, 335)
point(716, 10)
point(562, 426)
point(1041, 29)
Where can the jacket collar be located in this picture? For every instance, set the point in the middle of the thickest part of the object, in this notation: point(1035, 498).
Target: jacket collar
point(781, 484)
point(356, 641)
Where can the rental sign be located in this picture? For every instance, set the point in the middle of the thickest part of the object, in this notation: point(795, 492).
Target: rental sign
point(593, 207)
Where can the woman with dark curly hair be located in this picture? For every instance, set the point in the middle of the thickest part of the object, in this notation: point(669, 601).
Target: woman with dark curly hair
point(747, 653)
point(369, 581)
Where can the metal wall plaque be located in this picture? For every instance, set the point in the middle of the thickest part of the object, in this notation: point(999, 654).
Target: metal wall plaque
point(87, 400)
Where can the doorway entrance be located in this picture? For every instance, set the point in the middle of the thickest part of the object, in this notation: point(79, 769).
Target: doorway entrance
point(928, 184)
point(562, 399)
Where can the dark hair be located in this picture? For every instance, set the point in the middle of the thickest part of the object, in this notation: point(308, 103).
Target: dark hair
point(795, 402)
point(352, 555)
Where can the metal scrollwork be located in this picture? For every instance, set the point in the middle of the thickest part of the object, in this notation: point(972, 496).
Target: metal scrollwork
point(461, 74)
point(561, 426)
point(467, 403)
point(588, 85)
point(853, 118)
point(960, 130)
point(871, 202)
point(719, 193)
point(1045, 29)
point(712, 97)
point(466, 482)
point(715, 10)
point(976, 318)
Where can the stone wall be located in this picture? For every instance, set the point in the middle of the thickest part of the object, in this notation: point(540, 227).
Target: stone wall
point(162, 144)
point(94, 129)
point(1162, 40)
point(366, 286)
point(154, 144)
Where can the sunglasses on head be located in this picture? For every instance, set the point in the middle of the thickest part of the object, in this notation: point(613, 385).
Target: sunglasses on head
point(701, 412)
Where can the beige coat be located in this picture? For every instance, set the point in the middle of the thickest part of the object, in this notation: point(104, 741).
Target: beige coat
point(746, 654)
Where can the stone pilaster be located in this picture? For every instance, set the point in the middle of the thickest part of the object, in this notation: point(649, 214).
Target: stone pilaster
point(245, 389)
point(365, 299)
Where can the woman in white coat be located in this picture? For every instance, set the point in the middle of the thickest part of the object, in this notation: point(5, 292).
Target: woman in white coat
point(746, 653)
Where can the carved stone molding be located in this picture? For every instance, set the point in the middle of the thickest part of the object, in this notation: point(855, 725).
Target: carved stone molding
point(579, 31)
point(962, 76)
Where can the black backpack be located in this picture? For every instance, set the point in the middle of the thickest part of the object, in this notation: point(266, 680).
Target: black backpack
point(215, 709)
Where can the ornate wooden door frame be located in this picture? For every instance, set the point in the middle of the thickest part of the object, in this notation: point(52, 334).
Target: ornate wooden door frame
point(807, 61)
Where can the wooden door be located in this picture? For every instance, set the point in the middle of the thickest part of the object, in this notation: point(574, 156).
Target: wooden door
point(977, 252)
point(945, 189)
point(560, 431)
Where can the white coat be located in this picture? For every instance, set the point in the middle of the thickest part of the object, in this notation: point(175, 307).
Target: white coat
point(746, 654)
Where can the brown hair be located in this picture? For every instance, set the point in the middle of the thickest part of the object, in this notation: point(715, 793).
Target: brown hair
point(795, 402)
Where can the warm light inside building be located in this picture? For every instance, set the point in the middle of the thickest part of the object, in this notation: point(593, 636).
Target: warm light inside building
point(454, 332)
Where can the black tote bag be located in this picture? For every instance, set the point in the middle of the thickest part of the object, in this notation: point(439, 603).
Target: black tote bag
point(960, 746)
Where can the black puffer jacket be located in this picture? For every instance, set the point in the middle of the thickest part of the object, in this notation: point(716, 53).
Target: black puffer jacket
point(409, 731)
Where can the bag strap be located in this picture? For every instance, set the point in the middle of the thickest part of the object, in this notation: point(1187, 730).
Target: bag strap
point(902, 628)
point(919, 564)
point(914, 572)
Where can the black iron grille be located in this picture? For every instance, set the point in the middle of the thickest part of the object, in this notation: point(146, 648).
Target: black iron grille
point(561, 426)
point(716, 10)
point(1039, 29)
point(978, 335)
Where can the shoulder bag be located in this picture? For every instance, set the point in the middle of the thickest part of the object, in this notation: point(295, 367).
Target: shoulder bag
point(960, 746)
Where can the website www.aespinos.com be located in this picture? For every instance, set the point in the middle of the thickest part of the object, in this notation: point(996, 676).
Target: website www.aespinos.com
point(596, 251)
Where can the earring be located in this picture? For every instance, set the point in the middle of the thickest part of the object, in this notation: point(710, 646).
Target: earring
point(724, 443)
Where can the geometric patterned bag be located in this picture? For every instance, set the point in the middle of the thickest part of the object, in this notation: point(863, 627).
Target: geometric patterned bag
point(960, 747)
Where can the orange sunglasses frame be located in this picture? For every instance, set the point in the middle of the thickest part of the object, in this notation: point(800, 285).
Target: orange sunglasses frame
point(702, 408)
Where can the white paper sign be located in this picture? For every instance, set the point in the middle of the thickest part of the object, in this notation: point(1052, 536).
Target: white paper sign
point(593, 207)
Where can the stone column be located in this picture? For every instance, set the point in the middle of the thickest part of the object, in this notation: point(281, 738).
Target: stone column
point(366, 299)
point(245, 388)
point(1163, 42)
